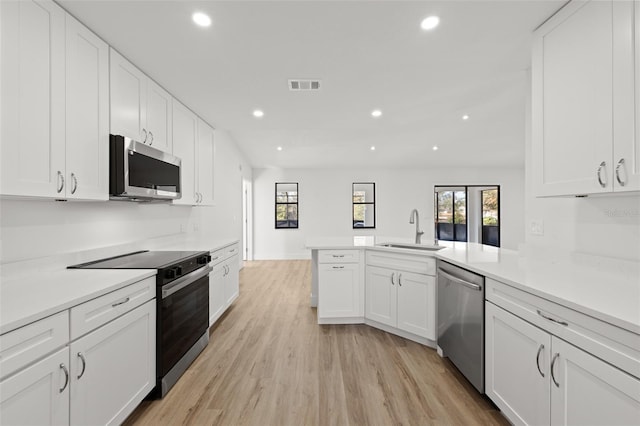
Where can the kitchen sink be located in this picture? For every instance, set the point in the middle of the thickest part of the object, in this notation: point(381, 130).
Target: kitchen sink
point(409, 246)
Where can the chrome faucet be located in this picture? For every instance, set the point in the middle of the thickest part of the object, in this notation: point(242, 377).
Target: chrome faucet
point(415, 218)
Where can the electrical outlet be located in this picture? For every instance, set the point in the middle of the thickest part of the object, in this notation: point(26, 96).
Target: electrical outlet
point(536, 227)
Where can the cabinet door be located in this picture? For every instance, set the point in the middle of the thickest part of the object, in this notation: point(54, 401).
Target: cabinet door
point(216, 293)
point(184, 142)
point(381, 295)
point(33, 396)
point(626, 96)
point(128, 99)
point(232, 280)
point(416, 304)
point(516, 367)
point(87, 114)
point(32, 62)
point(118, 369)
point(590, 391)
point(159, 120)
point(339, 290)
point(572, 103)
point(206, 150)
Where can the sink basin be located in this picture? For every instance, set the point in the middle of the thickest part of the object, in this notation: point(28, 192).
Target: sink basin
point(411, 246)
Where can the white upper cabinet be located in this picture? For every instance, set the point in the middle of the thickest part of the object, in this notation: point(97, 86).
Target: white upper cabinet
point(54, 104)
point(584, 107)
point(205, 154)
point(140, 109)
point(185, 128)
point(32, 62)
point(87, 114)
point(626, 96)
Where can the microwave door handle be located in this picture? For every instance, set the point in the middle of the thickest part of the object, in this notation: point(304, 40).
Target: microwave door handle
point(182, 282)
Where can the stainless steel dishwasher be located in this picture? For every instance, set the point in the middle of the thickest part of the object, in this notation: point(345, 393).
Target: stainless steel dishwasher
point(461, 320)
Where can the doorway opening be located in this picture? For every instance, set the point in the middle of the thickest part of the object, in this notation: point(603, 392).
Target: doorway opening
point(469, 213)
point(247, 220)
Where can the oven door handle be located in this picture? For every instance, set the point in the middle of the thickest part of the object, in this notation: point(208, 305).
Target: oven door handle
point(182, 282)
point(459, 281)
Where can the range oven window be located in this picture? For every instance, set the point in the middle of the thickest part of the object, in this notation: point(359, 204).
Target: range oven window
point(183, 319)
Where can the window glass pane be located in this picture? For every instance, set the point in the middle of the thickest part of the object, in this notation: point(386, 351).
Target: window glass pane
point(460, 205)
point(490, 207)
point(363, 193)
point(363, 216)
point(281, 197)
point(445, 207)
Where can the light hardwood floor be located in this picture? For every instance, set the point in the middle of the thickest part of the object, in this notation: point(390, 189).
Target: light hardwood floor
point(270, 363)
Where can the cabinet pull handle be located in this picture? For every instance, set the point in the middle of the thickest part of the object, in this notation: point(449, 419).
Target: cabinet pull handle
point(538, 359)
point(392, 276)
point(400, 280)
point(553, 376)
point(338, 267)
point(215, 258)
point(151, 141)
point(75, 183)
point(84, 364)
point(337, 256)
point(66, 377)
point(60, 182)
point(121, 302)
point(599, 174)
point(144, 131)
point(552, 319)
point(620, 164)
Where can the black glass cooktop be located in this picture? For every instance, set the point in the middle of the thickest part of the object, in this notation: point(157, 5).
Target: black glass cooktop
point(141, 260)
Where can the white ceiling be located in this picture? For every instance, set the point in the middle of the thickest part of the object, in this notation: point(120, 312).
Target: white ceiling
point(368, 54)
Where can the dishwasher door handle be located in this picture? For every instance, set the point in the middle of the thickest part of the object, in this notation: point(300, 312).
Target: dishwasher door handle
point(459, 280)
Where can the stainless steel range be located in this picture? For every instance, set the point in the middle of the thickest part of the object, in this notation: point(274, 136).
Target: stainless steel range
point(182, 295)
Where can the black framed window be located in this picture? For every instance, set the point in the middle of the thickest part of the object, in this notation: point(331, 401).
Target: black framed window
point(364, 205)
point(286, 205)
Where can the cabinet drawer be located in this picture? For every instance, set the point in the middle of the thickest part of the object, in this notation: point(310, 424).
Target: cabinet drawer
point(608, 342)
point(96, 312)
point(402, 262)
point(20, 347)
point(222, 254)
point(338, 256)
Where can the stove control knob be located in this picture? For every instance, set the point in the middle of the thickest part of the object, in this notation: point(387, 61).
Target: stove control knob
point(202, 260)
point(170, 274)
point(178, 270)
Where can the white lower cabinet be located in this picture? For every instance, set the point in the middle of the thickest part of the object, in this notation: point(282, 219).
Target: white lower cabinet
point(401, 299)
point(113, 368)
point(39, 394)
point(536, 378)
point(224, 281)
point(340, 294)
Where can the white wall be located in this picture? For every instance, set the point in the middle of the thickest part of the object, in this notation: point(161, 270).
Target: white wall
point(325, 204)
point(607, 225)
point(31, 228)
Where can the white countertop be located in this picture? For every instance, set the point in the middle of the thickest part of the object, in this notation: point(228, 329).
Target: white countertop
point(607, 289)
point(28, 298)
point(365, 242)
point(47, 287)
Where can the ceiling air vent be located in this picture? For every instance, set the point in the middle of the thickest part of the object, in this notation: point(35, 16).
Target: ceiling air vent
point(304, 85)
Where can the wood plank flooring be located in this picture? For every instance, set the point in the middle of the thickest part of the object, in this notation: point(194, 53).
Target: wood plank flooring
point(270, 363)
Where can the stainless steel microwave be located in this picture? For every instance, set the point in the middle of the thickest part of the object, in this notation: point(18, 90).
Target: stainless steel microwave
point(138, 172)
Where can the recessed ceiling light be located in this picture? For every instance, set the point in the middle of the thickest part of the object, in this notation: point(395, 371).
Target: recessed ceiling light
point(376, 113)
point(430, 22)
point(373, 148)
point(201, 19)
point(465, 117)
point(435, 148)
point(258, 113)
point(279, 148)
